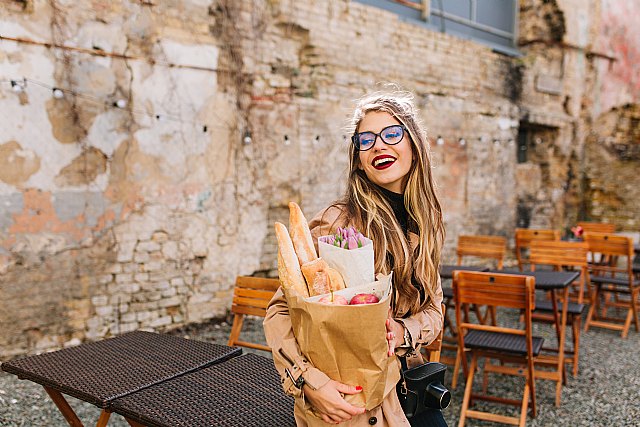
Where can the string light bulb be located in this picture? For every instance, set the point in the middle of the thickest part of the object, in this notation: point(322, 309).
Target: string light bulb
point(286, 140)
point(58, 93)
point(439, 141)
point(462, 142)
point(247, 137)
point(17, 86)
point(121, 103)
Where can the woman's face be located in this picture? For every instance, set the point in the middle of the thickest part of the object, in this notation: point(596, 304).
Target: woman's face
point(385, 165)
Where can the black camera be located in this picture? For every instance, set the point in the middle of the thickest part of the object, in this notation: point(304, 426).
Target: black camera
point(422, 388)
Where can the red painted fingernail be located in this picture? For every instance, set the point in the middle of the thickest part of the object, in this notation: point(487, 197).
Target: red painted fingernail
point(358, 388)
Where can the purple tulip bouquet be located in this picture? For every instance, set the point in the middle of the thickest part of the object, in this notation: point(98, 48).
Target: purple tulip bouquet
point(351, 253)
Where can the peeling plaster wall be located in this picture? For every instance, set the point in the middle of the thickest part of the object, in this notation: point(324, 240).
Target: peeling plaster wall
point(112, 220)
point(617, 33)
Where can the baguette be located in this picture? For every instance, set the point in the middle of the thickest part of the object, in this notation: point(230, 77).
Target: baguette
point(321, 278)
point(301, 235)
point(311, 268)
point(288, 266)
point(336, 282)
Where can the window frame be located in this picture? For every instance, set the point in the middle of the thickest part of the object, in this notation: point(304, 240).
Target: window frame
point(424, 13)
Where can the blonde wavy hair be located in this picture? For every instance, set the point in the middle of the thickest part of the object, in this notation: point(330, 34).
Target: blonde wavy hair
point(368, 209)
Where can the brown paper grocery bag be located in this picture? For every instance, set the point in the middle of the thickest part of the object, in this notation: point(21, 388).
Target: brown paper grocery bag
point(348, 342)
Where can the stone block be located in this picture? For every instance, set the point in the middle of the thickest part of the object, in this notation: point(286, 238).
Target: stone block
point(100, 300)
point(141, 257)
point(143, 316)
point(124, 278)
point(153, 266)
point(169, 292)
point(103, 311)
point(128, 317)
point(162, 285)
point(128, 327)
point(161, 321)
point(170, 250)
point(148, 246)
point(125, 250)
point(177, 281)
point(130, 288)
point(170, 302)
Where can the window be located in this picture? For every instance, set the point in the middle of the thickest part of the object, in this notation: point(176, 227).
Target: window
point(491, 22)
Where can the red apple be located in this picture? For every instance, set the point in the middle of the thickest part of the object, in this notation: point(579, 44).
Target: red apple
point(364, 299)
point(333, 299)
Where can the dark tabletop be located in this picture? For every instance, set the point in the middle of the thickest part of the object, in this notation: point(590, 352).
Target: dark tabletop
point(243, 391)
point(446, 270)
point(105, 370)
point(547, 280)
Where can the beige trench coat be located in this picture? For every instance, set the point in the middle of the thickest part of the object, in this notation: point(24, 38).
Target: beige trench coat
point(424, 327)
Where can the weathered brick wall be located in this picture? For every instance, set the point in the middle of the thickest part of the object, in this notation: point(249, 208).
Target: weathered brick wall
point(113, 220)
point(613, 156)
point(612, 145)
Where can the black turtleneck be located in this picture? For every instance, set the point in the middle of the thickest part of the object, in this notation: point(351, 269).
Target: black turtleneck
point(402, 216)
point(399, 210)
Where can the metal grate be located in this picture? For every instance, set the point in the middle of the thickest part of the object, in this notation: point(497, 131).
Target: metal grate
point(102, 371)
point(243, 391)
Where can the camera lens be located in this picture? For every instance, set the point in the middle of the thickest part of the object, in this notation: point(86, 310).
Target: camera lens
point(437, 396)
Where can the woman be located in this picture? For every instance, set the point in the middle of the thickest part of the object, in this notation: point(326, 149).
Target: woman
point(390, 199)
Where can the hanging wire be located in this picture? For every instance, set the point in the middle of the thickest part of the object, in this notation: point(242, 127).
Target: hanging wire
point(103, 53)
point(121, 104)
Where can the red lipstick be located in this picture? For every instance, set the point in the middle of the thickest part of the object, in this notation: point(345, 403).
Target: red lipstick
point(383, 161)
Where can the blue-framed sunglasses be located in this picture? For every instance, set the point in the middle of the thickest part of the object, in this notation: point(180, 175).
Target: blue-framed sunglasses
point(391, 135)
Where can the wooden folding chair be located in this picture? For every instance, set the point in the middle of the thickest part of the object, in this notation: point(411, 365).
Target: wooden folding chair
point(485, 247)
point(560, 254)
point(523, 239)
point(614, 276)
point(505, 344)
point(597, 227)
point(251, 296)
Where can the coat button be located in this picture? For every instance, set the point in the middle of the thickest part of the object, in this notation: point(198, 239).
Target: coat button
point(373, 421)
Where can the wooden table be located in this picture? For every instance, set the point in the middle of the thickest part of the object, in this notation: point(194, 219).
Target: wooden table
point(126, 367)
point(553, 281)
point(446, 270)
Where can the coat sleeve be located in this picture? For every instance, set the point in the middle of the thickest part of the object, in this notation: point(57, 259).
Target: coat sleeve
point(425, 326)
point(285, 350)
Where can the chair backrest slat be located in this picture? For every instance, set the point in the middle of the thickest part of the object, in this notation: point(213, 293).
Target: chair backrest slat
point(597, 227)
point(524, 237)
point(498, 290)
point(480, 246)
point(559, 253)
point(609, 248)
point(251, 295)
point(609, 244)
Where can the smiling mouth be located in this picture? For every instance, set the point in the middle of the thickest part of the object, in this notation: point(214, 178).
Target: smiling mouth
point(383, 162)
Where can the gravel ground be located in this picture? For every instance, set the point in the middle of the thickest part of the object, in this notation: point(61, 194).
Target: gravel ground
point(606, 391)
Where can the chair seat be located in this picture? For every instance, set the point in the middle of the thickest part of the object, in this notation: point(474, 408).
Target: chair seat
point(447, 293)
point(573, 308)
point(621, 280)
point(497, 341)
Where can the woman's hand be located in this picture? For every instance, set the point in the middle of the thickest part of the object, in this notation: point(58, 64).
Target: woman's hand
point(395, 334)
point(328, 401)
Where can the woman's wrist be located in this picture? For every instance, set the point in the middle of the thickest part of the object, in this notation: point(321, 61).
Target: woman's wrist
point(403, 336)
